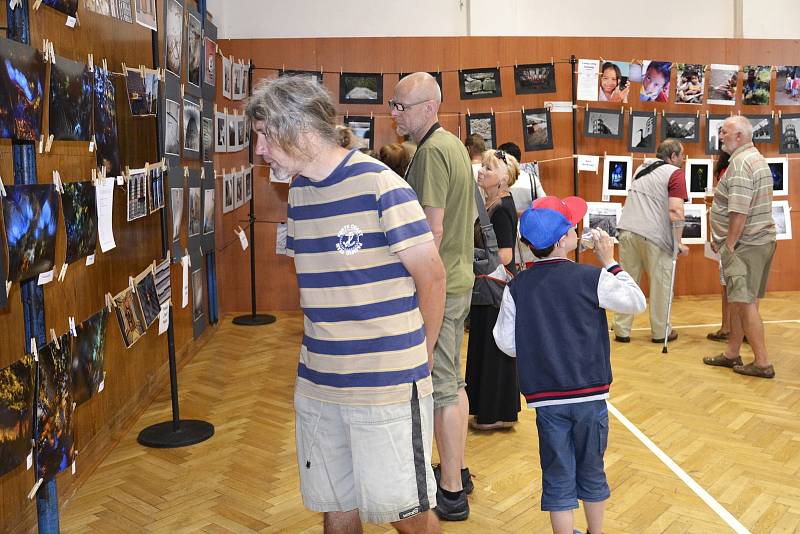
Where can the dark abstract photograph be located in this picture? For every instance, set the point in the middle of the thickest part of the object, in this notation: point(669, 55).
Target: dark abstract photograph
point(16, 412)
point(155, 178)
point(536, 78)
point(208, 211)
point(129, 316)
point(55, 446)
point(194, 51)
point(174, 36)
point(79, 203)
point(142, 85)
point(30, 213)
point(68, 7)
point(197, 294)
point(105, 123)
point(88, 356)
point(22, 77)
point(148, 296)
point(70, 101)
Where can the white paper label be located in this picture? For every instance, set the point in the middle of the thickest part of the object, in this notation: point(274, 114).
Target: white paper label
point(559, 107)
point(71, 21)
point(91, 146)
point(90, 260)
point(120, 180)
point(242, 239)
point(46, 278)
point(588, 163)
point(105, 208)
point(606, 198)
point(35, 488)
point(588, 70)
point(163, 318)
point(185, 289)
point(73, 467)
point(29, 461)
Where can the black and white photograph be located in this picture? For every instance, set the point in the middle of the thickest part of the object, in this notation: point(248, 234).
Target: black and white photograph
point(227, 78)
point(682, 126)
point(789, 129)
point(713, 125)
point(172, 129)
point(248, 184)
point(722, 81)
point(537, 132)
point(155, 196)
point(781, 214)
point(360, 88)
point(227, 192)
point(695, 228)
point(174, 37)
point(642, 132)
point(763, 128)
point(210, 63)
point(208, 140)
point(780, 176)
point(604, 216)
point(787, 85)
point(699, 177)
point(240, 132)
point(194, 51)
point(220, 132)
point(617, 175)
point(237, 75)
point(177, 212)
point(197, 294)
point(137, 194)
point(195, 211)
point(690, 83)
point(146, 13)
point(312, 74)
point(483, 124)
point(756, 83)
point(191, 129)
point(233, 144)
point(208, 210)
point(362, 127)
point(535, 78)
point(603, 123)
point(479, 83)
point(238, 189)
point(142, 85)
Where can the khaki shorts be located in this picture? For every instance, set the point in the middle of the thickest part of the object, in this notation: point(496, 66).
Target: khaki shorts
point(746, 271)
point(376, 459)
point(446, 373)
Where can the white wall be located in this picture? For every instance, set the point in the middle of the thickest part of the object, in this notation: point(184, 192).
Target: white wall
point(762, 19)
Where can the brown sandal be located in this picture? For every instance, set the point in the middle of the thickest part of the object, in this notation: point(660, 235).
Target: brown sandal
point(719, 335)
point(720, 360)
point(751, 369)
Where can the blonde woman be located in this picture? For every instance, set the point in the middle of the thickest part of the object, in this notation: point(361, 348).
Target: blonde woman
point(492, 375)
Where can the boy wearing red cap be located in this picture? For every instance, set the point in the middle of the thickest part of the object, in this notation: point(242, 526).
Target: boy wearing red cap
point(553, 320)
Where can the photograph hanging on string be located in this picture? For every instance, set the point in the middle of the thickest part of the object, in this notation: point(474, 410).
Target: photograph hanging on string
point(722, 80)
point(105, 123)
point(653, 77)
point(17, 383)
point(172, 128)
point(682, 126)
point(208, 140)
point(208, 211)
point(248, 184)
point(227, 78)
point(137, 194)
point(88, 356)
point(782, 215)
point(68, 7)
point(237, 73)
point(55, 442)
point(537, 133)
point(232, 134)
point(155, 178)
point(79, 204)
point(195, 211)
point(479, 83)
point(30, 217)
point(220, 132)
point(789, 129)
point(194, 51)
point(713, 126)
point(174, 36)
point(763, 128)
point(142, 85)
point(227, 193)
point(22, 81)
point(779, 167)
point(483, 124)
point(129, 316)
point(535, 78)
point(695, 227)
point(148, 296)
point(617, 175)
point(240, 132)
point(360, 88)
point(756, 85)
point(70, 109)
point(238, 188)
point(197, 294)
point(314, 75)
point(690, 83)
point(191, 129)
point(603, 216)
point(163, 283)
point(210, 64)
point(614, 86)
point(699, 177)
point(124, 10)
point(787, 85)
point(363, 127)
point(146, 14)
point(642, 132)
point(601, 122)
point(177, 212)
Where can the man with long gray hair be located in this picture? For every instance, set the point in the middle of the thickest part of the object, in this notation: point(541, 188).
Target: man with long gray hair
point(372, 290)
point(650, 229)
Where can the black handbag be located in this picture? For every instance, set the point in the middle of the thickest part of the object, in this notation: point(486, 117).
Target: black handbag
point(491, 276)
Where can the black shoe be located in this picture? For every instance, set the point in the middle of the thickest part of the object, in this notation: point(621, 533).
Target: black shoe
point(466, 478)
point(622, 339)
point(671, 337)
point(451, 510)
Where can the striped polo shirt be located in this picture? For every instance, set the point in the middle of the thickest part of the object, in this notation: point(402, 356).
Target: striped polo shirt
point(746, 189)
point(364, 340)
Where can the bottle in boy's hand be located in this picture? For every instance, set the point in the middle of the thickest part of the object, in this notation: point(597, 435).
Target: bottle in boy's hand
point(603, 246)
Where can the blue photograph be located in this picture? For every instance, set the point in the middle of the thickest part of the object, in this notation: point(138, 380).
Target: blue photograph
point(105, 123)
point(30, 213)
point(22, 72)
point(70, 101)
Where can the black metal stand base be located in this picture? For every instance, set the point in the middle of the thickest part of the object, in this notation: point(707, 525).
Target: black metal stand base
point(163, 436)
point(254, 319)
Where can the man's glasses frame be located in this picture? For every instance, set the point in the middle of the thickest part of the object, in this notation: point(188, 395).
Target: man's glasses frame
point(393, 104)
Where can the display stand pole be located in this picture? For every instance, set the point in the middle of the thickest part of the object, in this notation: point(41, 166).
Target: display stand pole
point(573, 64)
point(253, 318)
point(175, 433)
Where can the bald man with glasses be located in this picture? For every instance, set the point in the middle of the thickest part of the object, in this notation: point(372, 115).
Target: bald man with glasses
point(441, 175)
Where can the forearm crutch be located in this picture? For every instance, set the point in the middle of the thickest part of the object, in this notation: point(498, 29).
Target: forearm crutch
point(668, 322)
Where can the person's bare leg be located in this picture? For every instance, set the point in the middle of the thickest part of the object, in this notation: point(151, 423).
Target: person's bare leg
point(737, 333)
point(726, 314)
point(448, 431)
point(594, 512)
point(342, 523)
point(424, 523)
point(754, 329)
point(562, 522)
point(463, 407)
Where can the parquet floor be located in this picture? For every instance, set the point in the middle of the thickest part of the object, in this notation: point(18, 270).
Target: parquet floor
point(737, 437)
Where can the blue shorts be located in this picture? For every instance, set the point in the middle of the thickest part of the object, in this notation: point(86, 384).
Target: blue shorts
point(572, 441)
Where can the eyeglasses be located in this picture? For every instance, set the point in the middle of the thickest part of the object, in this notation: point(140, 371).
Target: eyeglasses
point(403, 107)
point(499, 154)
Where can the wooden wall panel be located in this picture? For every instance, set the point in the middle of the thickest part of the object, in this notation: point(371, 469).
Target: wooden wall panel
point(696, 275)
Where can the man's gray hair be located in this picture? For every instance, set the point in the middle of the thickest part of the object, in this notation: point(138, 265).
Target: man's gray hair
point(742, 125)
point(668, 148)
point(290, 106)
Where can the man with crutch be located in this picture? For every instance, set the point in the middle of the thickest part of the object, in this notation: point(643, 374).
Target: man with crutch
point(649, 236)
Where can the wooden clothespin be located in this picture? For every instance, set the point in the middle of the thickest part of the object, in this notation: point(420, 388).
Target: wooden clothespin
point(49, 144)
point(90, 60)
point(54, 338)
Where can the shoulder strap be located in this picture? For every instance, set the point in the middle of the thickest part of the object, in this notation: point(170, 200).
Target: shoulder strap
point(650, 168)
point(487, 230)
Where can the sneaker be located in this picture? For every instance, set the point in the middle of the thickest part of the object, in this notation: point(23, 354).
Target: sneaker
point(671, 337)
point(720, 360)
point(466, 478)
point(719, 335)
point(751, 369)
point(622, 339)
point(455, 510)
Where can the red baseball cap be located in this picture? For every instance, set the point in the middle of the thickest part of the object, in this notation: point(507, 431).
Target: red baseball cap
point(573, 208)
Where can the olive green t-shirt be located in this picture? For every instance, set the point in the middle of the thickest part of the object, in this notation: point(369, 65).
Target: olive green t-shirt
point(441, 175)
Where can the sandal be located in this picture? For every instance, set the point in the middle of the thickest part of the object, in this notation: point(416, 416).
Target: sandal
point(751, 369)
point(720, 360)
point(719, 335)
